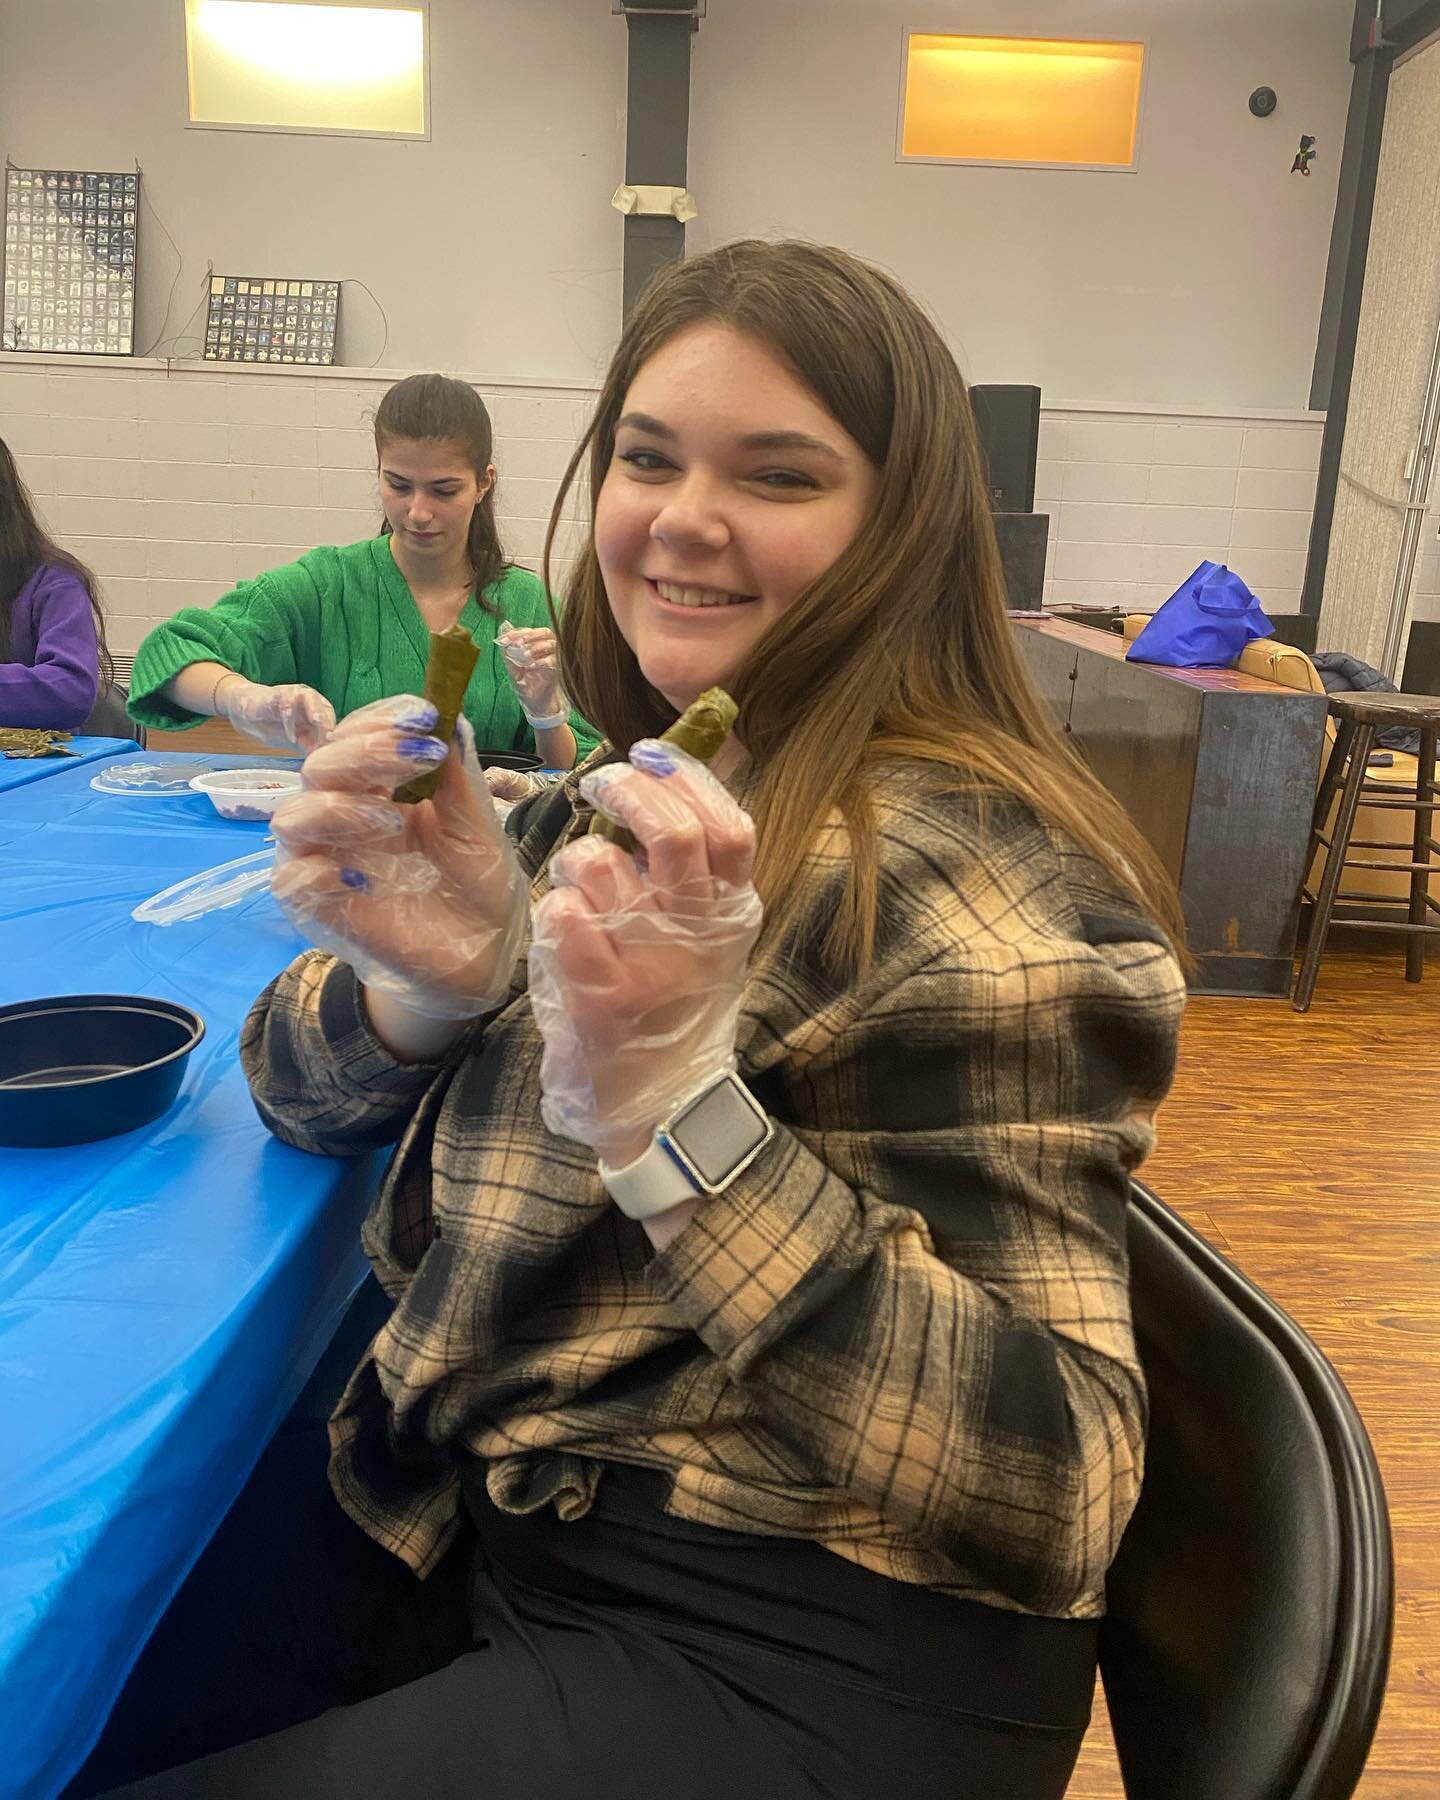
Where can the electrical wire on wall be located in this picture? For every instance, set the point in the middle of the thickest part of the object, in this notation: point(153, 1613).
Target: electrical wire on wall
point(148, 203)
point(355, 281)
point(163, 346)
point(168, 348)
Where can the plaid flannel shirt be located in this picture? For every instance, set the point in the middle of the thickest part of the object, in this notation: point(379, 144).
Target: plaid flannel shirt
point(903, 1332)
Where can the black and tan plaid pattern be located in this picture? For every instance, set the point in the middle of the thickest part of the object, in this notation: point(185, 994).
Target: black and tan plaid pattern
point(904, 1332)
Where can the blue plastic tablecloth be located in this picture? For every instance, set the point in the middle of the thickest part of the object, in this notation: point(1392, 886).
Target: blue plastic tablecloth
point(163, 1295)
point(21, 771)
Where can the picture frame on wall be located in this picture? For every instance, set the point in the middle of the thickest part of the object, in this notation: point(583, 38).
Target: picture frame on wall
point(71, 250)
point(271, 319)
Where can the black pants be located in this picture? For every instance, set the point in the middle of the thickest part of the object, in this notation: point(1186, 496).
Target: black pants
point(627, 1655)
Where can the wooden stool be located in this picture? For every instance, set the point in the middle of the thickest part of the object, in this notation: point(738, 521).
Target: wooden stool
point(1359, 718)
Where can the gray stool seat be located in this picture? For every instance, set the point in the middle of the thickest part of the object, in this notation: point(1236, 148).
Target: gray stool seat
point(1386, 710)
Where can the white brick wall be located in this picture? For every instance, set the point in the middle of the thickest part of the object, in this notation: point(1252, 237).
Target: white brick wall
point(173, 483)
point(1425, 590)
point(1137, 500)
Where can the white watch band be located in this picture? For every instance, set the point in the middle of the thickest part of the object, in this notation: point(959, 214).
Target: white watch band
point(652, 1184)
point(550, 722)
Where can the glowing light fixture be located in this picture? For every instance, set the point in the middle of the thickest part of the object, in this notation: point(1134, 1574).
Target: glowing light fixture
point(1040, 101)
point(274, 65)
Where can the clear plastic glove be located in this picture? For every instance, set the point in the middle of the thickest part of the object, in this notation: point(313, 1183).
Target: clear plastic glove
point(512, 785)
point(532, 658)
point(289, 717)
point(637, 962)
point(425, 902)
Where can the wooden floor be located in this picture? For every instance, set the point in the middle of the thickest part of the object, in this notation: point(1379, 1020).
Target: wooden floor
point(1307, 1148)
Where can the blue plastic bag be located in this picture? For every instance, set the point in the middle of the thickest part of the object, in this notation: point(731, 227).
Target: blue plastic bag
point(1205, 623)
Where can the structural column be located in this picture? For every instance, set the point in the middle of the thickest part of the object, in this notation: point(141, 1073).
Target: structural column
point(657, 131)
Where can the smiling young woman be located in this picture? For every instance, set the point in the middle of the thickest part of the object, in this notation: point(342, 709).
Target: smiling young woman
point(748, 387)
point(760, 1407)
point(707, 529)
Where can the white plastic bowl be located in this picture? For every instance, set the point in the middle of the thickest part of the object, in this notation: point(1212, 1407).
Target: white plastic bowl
point(247, 793)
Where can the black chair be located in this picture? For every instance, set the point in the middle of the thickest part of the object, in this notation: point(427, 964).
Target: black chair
point(1250, 1607)
point(1299, 630)
point(1421, 674)
point(108, 717)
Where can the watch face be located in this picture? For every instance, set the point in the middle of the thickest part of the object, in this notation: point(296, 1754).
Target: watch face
point(719, 1131)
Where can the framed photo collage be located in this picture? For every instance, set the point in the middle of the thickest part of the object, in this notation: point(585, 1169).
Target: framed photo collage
point(69, 275)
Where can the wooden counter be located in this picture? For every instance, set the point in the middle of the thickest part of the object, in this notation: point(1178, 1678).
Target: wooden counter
point(1218, 769)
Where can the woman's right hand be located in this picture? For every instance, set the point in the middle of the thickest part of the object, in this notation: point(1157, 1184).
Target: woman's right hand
point(426, 902)
point(289, 717)
point(531, 657)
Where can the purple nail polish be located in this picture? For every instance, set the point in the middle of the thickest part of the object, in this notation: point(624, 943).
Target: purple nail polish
point(354, 878)
point(653, 757)
point(422, 719)
point(598, 783)
point(422, 749)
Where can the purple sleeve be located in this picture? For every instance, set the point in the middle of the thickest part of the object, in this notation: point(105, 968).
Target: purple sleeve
point(57, 687)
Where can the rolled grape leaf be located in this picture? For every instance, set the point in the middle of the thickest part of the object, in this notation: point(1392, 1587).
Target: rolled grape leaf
point(453, 655)
point(699, 731)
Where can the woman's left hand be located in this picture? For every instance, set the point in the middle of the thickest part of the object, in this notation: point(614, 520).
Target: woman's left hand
point(531, 656)
point(637, 962)
point(511, 785)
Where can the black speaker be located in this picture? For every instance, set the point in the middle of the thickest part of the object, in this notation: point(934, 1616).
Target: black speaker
point(1296, 629)
point(1009, 422)
point(1422, 659)
point(1023, 539)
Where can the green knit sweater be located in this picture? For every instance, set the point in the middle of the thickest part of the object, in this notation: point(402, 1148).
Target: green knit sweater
point(344, 622)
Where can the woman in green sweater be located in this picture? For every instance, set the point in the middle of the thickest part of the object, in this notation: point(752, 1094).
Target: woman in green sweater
point(283, 656)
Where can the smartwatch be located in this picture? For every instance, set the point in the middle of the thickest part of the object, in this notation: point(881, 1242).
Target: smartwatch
point(709, 1139)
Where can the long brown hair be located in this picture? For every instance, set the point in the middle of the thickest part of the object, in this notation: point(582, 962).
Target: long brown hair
point(902, 647)
point(25, 546)
point(437, 409)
